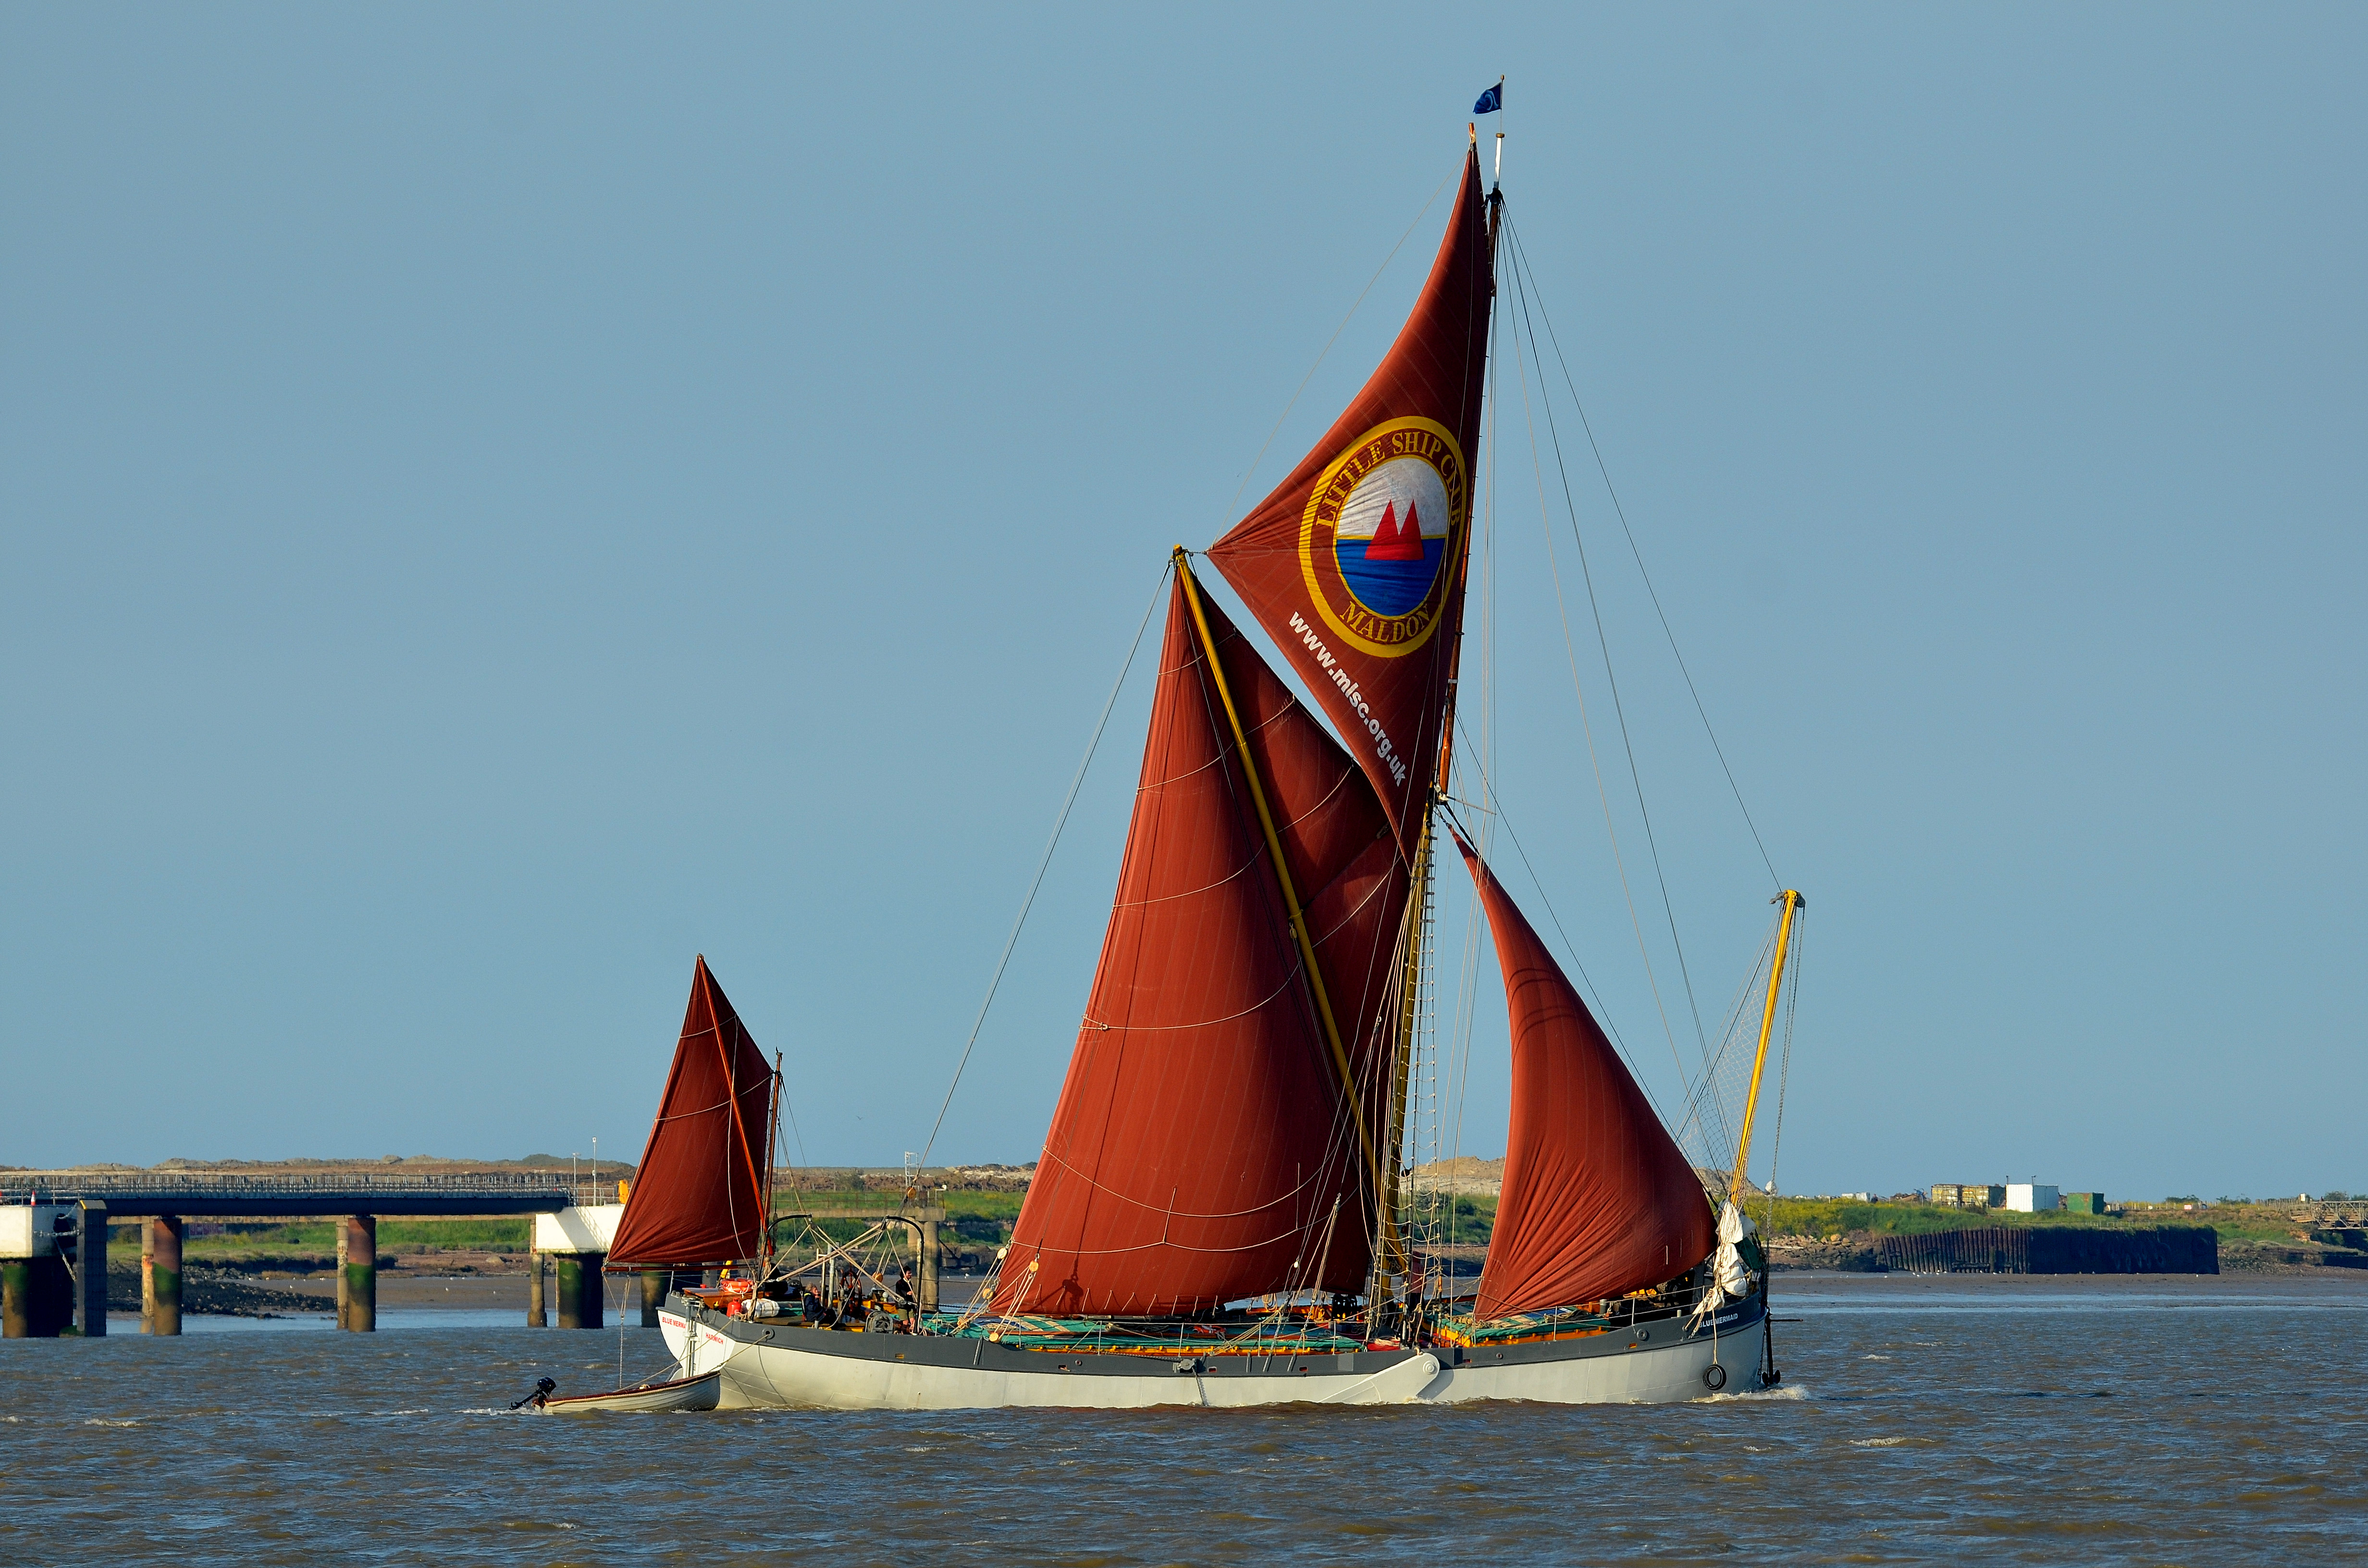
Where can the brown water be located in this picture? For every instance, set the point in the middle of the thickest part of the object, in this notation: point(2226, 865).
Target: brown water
point(2004, 1420)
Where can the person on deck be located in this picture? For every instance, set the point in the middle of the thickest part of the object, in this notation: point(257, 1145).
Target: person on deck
point(850, 1298)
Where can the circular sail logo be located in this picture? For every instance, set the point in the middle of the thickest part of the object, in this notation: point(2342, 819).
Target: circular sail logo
point(1381, 527)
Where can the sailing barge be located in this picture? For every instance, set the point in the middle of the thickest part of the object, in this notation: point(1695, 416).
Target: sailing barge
point(1218, 1216)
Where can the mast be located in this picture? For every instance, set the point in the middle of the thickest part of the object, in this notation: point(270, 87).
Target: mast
point(1418, 928)
point(1418, 890)
point(740, 1126)
point(765, 1199)
point(1293, 914)
point(1356, 564)
point(1792, 902)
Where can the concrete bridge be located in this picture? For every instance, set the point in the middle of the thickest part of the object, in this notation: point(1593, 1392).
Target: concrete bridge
point(53, 1237)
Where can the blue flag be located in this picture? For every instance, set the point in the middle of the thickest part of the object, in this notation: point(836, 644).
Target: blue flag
point(1490, 101)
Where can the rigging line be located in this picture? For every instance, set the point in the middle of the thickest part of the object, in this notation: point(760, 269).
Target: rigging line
point(1620, 512)
point(1570, 948)
point(1706, 1102)
point(1586, 725)
point(1233, 507)
point(1468, 978)
point(1611, 680)
point(1045, 861)
point(1604, 1013)
point(797, 1183)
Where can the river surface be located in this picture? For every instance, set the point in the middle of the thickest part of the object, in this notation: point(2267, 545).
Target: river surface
point(2003, 1420)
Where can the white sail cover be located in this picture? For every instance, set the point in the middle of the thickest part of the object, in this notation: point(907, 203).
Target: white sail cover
point(1729, 1279)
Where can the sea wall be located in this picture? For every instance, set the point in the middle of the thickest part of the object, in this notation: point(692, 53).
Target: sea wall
point(2054, 1249)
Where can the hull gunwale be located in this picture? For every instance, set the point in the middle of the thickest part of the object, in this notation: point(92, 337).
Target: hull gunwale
point(781, 1366)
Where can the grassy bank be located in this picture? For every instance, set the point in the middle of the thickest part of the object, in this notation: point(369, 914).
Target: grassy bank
point(981, 1221)
point(298, 1245)
point(1839, 1217)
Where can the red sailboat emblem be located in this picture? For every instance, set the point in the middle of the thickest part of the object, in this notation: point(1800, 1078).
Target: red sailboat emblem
point(1391, 504)
point(1394, 541)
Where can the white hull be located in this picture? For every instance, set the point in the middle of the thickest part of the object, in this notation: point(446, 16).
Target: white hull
point(1648, 1375)
point(855, 1373)
point(763, 1376)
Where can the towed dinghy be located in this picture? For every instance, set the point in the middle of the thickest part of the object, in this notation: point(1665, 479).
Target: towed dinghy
point(698, 1393)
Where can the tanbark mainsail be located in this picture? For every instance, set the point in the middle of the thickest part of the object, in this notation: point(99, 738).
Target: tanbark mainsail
point(699, 1197)
point(1203, 1149)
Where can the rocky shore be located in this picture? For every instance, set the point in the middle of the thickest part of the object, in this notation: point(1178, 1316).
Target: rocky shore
point(218, 1293)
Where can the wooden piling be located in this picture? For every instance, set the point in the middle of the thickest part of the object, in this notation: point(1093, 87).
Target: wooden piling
point(579, 1289)
point(653, 1290)
point(358, 1273)
point(160, 1275)
point(536, 1315)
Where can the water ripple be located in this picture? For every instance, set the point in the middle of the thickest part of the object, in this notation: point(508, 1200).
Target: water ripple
point(2114, 1422)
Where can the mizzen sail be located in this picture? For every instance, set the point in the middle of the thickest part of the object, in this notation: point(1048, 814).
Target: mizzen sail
point(1204, 1149)
point(1355, 565)
point(1598, 1201)
point(699, 1197)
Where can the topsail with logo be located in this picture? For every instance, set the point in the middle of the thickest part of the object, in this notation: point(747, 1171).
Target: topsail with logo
point(1226, 1208)
point(1355, 565)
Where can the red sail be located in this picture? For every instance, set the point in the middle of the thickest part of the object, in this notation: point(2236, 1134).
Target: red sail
point(1200, 1153)
point(1596, 1201)
point(699, 1197)
point(1355, 565)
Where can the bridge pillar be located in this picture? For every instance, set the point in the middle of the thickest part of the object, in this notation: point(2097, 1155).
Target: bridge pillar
point(90, 1269)
point(578, 1274)
point(358, 1273)
point(928, 1266)
point(160, 1275)
point(16, 1298)
point(44, 1290)
point(37, 1283)
point(653, 1290)
point(536, 1317)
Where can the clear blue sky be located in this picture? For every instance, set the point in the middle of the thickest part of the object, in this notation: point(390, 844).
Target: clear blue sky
point(498, 501)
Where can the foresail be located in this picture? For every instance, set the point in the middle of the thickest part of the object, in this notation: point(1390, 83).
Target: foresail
point(1203, 1150)
point(698, 1198)
point(1597, 1199)
point(1355, 565)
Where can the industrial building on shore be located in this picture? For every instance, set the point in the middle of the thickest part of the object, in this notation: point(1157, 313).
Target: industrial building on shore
point(2017, 1198)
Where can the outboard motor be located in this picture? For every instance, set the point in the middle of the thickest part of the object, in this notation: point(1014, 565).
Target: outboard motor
point(543, 1389)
